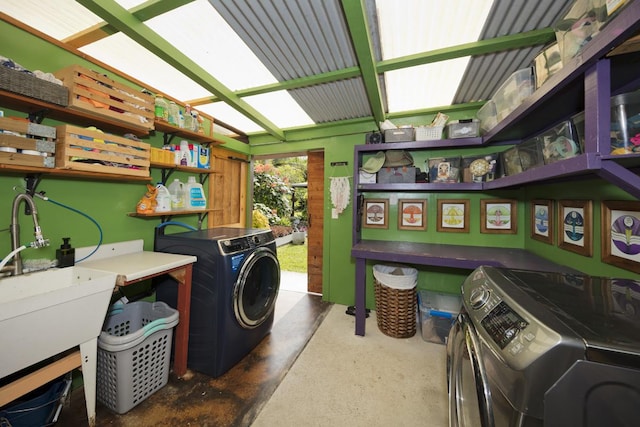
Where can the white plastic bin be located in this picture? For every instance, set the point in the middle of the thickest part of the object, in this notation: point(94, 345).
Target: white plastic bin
point(134, 352)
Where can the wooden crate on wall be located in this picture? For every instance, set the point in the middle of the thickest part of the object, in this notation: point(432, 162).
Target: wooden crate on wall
point(26, 144)
point(93, 92)
point(93, 151)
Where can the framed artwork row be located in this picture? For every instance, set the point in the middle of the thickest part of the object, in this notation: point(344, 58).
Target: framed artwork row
point(567, 223)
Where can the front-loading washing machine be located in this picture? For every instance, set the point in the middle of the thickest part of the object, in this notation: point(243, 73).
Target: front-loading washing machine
point(235, 285)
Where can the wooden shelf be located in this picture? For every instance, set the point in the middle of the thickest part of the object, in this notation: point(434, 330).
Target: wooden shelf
point(173, 131)
point(66, 173)
point(34, 106)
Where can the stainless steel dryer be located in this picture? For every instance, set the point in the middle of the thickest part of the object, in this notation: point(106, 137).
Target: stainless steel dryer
point(532, 349)
point(234, 290)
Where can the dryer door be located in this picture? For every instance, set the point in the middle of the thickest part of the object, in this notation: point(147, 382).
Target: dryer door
point(256, 290)
point(470, 403)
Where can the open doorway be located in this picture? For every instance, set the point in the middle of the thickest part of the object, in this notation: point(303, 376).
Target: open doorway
point(288, 193)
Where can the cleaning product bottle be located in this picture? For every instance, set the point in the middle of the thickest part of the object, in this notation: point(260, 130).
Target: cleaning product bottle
point(163, 198)
point(195, 194)
point(161, 110)
point(185, 154)
point(178, 195)
point(66, 255)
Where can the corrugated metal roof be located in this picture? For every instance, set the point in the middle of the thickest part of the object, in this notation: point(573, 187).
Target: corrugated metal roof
point(325, 54)
point(486, 73)
point(300, 39)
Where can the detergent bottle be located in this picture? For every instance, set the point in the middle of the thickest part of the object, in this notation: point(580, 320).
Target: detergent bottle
point(163, 199)
point(178, 195)
point(195, 194)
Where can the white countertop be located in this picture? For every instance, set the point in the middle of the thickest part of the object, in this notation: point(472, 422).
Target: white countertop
point(130, 262)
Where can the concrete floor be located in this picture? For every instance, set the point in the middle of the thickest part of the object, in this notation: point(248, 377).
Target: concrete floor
point(235, 398)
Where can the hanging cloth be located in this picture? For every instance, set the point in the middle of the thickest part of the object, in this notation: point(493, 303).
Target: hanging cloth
point(340, 189)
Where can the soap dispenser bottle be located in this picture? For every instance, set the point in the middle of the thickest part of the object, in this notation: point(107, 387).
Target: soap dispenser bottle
point(66, 254)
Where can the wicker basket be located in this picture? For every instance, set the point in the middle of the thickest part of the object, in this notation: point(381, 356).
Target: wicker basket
point(395, 310)
point(29, 85)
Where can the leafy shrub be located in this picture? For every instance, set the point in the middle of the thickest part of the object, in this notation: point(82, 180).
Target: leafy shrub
point(259, 220)
point(270, 189)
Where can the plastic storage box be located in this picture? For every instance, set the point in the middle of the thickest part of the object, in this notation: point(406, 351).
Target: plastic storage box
point(463, 129)
point(510, 160)
point(513, 92)
point(438, 311)
point(444, 169)
point(480, 168)
point(530, 153)
point(560, 142)
point(625, 123)
point(487, 116)
point(134, 351)
point(582, 23)
point(399, 135)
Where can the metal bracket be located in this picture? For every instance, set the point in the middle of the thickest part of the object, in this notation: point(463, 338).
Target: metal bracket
point(31, 182)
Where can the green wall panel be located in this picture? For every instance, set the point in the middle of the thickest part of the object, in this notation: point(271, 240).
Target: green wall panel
point(109, 202)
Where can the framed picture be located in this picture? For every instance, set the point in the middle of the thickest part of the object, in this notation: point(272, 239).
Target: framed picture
point(412, 214)
point(621, 234)
point(453, 215)
point(542, 220)
point(498, 216)
point(574, 226)
point(376, 213)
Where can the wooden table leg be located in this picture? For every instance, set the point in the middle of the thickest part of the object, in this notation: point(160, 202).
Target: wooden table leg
point(183, 276)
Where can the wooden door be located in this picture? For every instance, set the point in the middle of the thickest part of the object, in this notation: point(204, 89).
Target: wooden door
point(227, 189)
point(315, 207)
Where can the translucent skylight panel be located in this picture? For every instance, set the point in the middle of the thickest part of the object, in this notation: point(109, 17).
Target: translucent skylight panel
point(203, 35)
point(428, 26)
point(58, 19)
point(228, 115)
point(424, 86)
point(124, 54)
point(278, 107)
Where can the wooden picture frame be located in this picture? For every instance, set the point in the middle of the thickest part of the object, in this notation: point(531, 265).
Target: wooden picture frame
point(375, 213)
point(574, 226)
point(542, 220)
point(412, 214)
point(499, 216)
point(620, 233)
point(453, 215)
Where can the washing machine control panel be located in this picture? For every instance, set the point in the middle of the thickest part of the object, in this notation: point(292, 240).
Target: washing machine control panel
point(230, 246)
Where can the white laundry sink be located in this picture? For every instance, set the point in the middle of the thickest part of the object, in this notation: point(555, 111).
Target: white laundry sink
point(45, 313)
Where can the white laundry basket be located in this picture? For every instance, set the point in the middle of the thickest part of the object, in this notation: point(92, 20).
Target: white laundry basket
point(134, 351)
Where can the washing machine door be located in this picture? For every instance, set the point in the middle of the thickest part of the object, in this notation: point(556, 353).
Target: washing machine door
point(470, 403)
point(256, 289)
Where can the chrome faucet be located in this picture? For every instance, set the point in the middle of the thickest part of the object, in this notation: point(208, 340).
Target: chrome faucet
point(40, 241)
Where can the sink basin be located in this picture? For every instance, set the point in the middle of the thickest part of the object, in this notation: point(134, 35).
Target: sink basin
point(45, 313)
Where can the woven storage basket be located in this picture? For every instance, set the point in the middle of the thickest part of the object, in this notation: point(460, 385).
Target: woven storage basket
point(395, 309)
point(29, 85)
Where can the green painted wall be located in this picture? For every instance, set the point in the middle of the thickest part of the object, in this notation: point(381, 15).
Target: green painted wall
point(109, 202)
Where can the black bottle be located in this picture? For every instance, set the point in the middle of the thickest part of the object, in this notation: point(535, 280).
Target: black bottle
point(66, 254)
